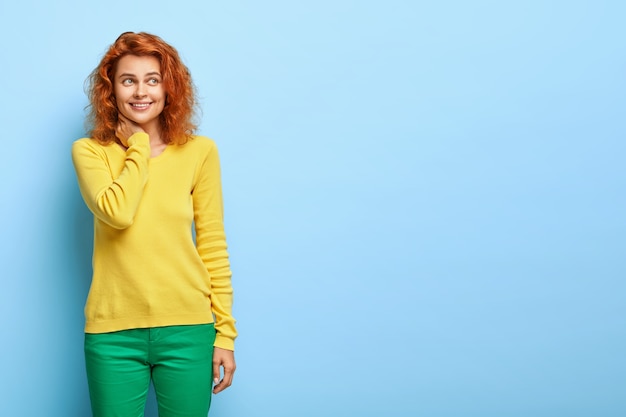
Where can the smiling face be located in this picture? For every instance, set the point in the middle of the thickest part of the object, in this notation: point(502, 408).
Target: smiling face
point(139, 92)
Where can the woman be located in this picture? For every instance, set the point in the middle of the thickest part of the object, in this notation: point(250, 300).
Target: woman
point(159, 306)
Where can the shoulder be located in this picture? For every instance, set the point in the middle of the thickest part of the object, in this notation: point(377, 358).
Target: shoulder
point(83, 142)
point(87, 149)
point(198, 142)
point(88, 145)
point(199, 147)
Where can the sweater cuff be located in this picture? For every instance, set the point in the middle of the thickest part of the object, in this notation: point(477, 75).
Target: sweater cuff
point(224, 342)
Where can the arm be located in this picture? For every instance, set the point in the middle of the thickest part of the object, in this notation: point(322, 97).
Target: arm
point(211, 245)
point(114, 201)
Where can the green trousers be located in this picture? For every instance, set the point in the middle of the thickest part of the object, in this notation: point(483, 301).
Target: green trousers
point(178, 360)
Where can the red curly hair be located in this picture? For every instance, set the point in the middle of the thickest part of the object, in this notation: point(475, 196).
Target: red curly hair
point(176, 119)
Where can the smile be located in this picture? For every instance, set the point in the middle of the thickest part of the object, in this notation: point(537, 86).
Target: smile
point(140, 105)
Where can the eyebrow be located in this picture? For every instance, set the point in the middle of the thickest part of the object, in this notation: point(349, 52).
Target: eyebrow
point(127, 74)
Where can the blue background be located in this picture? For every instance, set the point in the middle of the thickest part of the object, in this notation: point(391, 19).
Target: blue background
point(425, 201)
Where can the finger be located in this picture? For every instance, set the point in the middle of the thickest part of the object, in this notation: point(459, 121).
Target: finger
point(227, 380)
point(129, 124)
point(219, 387)
point(216, 373)
point(229, 372)
point(121, 130)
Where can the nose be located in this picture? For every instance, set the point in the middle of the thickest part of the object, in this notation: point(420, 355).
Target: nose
point(140, 90)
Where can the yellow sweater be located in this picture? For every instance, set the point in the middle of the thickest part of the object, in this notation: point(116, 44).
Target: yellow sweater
point(147, 271)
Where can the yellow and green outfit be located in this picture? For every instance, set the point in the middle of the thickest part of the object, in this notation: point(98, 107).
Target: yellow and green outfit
point(150, 276)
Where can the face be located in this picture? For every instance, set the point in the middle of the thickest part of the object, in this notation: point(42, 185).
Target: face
point(139, 92)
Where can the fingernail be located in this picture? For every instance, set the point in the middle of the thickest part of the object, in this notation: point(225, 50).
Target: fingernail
point(216, 381)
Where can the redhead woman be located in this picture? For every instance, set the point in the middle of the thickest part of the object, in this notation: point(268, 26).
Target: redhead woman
point(160, 304)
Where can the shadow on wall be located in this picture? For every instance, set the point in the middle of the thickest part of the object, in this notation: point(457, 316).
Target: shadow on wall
point(75, 223)
point(80, 222)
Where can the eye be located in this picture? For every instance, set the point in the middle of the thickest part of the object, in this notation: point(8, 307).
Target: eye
point(153, 81)
point(127, 81)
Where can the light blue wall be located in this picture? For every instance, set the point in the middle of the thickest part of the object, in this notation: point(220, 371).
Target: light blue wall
point(425, 201)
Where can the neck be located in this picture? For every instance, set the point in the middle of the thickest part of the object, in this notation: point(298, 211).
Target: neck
point(154, 131)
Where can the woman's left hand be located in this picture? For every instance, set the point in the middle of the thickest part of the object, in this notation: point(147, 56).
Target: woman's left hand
point(223, 358)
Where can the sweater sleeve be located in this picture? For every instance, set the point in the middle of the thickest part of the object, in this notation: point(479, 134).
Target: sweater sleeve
point(211, 245)
point(112, 200)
